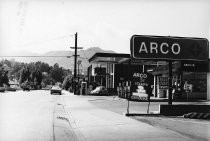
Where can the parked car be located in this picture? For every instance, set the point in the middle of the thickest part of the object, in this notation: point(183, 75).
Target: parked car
point(100, 90)
point(10, 89)
point(2, 89)
point(25, 86)
point(55, 89)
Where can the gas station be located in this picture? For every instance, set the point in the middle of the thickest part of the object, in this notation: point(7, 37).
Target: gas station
point(167, 59)
point(169, 49)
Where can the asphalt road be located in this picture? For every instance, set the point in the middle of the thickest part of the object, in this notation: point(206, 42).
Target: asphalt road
point(26, 116)
point(37, 115)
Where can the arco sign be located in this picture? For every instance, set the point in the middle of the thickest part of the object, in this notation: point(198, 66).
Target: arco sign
point(141, 79)
point(169, 48)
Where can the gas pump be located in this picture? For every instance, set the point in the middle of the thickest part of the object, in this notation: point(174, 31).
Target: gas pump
point(83, 89)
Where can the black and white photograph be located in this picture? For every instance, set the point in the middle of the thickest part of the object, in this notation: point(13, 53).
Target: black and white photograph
point(104, 70)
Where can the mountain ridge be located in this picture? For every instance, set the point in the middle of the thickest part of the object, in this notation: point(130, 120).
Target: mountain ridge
point(65, 59)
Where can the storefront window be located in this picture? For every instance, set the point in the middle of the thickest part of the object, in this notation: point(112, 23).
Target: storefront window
point(199, 81)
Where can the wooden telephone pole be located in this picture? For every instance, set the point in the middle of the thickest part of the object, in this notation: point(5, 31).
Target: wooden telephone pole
point(75, 59)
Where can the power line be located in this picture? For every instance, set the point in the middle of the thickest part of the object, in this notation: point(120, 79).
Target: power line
point(39, 56)
point(44, 56)
point(83, 57)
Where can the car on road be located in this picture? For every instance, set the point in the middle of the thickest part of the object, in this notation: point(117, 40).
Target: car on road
point(55, 89)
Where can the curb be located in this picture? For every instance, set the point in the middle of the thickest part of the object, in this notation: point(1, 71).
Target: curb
point(152, 114)
point(135, 114)
point(194, 115)
point(189, 115)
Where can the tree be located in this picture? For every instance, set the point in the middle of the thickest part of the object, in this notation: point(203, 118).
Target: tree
point(46, 79)
point(53, 73)
point(56, 65)
point(7, 62)
point(44, 67)
point(15, 70)
point(67, 82)
point(57, 73)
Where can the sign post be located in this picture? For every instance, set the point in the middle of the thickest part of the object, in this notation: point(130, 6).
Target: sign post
point(170, 83)
point(128, 93)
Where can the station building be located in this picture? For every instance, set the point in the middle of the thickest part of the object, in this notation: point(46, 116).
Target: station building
point(113, 70)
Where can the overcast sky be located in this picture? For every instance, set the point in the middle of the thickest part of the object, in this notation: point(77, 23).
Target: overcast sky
point(40, 26)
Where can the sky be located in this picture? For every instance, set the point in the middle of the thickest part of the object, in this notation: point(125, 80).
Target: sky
point(40, 26)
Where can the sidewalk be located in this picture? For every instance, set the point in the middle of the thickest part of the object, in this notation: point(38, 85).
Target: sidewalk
point(90, 123)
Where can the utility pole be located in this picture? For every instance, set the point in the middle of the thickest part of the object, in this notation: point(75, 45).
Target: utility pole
point(75, 59)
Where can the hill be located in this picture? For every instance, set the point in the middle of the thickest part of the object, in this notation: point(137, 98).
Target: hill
point(60, 57)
